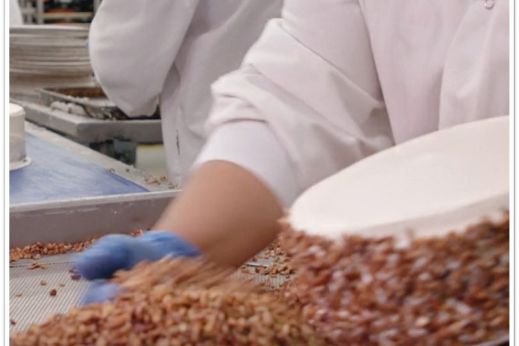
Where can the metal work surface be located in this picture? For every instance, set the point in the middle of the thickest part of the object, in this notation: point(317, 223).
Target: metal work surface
point(56, 174)
point(88, 130)
point(30, 302)
point(36, 304)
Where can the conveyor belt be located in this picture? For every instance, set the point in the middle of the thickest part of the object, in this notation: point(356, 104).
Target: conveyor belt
point(57, 174)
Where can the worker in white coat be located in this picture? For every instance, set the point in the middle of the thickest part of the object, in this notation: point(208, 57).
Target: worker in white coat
point(168, 52)
point(326, 85)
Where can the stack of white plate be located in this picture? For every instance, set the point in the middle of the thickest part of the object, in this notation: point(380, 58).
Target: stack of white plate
point(47, 56)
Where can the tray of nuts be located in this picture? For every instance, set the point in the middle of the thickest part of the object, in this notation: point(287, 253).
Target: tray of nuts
point(449, 290)
point(178, 302)
point(42, 283)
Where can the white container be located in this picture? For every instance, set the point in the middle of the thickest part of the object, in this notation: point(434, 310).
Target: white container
point(17, 155)
point(440, 182)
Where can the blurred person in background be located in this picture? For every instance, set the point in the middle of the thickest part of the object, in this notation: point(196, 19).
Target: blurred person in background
point(326, 85)
point(149, 53)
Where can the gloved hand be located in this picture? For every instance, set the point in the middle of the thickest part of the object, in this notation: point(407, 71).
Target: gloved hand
point(117, 251)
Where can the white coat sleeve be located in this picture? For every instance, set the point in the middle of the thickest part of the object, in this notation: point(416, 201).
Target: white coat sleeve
point(238, 142)
point(311, 79)
point(133, 45)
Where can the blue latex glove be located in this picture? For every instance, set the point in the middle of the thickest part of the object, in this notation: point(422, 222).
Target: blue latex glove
point(117, 251)
point(100, 291)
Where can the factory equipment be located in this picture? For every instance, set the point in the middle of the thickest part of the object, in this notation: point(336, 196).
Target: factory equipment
point(69, 193)
point(51, 77)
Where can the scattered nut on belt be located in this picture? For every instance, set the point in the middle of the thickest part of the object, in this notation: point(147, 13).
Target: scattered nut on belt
point(36, 265)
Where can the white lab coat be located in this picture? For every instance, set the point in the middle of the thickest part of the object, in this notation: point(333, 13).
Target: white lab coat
point(172, 50)
point(15, 13)
point(334, 81)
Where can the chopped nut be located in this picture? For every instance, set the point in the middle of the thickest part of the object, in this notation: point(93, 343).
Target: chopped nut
point(178, 302)
point(36, 250)
point(53, 292)
point(438, 290)
point(36, 265)
point(75, 277)
point(422, 321)
point(43, 283)
point(12, 322)
point(448, 290)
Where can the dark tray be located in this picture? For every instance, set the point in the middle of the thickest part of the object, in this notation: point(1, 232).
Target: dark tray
point(92, 100)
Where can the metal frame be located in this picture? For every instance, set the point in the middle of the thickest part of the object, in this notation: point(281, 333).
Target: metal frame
point(81, 219)
point(88, 130)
